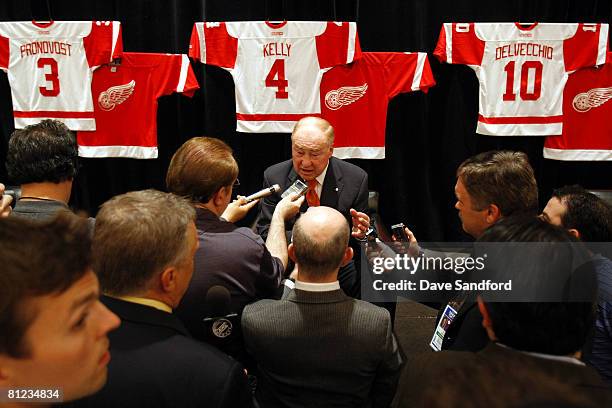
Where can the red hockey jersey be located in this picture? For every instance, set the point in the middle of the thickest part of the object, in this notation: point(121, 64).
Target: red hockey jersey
point(354, 98)
point(125, 98)
point(50, 66)
point(277, 68)
point(587, 117)
point(522, 70)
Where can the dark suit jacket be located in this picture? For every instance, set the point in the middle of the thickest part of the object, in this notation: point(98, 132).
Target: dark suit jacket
point(322, 349)
point(42, 210)
point(237, 259)
point(465, 333)
point(497, 377)
point(345, 187)
point(154, 363)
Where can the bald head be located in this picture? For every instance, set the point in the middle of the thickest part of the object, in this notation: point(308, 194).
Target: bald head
point(315, 124)
point(320, 241)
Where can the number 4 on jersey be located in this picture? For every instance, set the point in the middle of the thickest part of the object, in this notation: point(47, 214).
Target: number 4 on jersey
point(276, 79)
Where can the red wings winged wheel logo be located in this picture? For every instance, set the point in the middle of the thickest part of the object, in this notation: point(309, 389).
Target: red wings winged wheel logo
point(115, 95)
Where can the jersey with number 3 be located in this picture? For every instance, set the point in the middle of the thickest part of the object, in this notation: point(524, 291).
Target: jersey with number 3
point(522, 70)
point(50, 67)
point(277, 67)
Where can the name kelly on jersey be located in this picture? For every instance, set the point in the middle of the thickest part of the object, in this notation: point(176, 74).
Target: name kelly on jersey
point(524, 49)
point(277, 49)
point(45, 47)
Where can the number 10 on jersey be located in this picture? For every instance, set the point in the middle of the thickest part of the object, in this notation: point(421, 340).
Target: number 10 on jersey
point(530, 77)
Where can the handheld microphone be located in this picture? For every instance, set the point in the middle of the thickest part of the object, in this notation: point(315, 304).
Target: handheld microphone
point(218, 302)
point(263, 193)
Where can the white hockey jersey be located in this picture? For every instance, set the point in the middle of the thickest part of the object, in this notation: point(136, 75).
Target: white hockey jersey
point(277, 68)
point(50, 66)
point(522, 70)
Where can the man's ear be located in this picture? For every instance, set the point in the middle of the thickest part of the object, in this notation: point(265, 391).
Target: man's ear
point(486, 319)
point(291, 252)
point(348, 255)
point(493, 214)
point(167, 279)
point(218, 198)
point(574, 232)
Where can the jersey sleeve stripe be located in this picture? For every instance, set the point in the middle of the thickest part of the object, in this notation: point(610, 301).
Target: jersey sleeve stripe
point(202, 42)
point(116, 32)
point(448, 29)
point(183, 75)
point(351, 42)
point(418, 72)
point(603, 44)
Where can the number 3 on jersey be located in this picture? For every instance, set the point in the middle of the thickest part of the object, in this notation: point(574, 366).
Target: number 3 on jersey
point(51, 75)
point(524, 78)
point(276, 79)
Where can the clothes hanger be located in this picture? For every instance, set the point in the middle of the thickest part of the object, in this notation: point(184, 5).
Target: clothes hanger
point(44, 22)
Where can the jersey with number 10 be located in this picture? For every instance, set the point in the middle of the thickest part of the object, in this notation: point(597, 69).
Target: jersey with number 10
point(50, 67)
point(277, 68)
point(522, 70)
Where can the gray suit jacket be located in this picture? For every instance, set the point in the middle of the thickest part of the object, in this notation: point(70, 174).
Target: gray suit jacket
point(322, 349)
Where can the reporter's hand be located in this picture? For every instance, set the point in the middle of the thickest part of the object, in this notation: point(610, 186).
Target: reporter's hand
point(289, 206)
point(411, 247)
point(360, 223)
point(238, 209)
point(5, 202)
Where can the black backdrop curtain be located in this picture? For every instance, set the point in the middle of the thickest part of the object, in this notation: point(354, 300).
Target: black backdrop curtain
point(427, 135)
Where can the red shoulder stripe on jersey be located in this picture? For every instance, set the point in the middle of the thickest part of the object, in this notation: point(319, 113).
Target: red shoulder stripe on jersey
point(426, 77)
point(440, 51)
point(5, 52)
point(53, 114)
point(339, 44)
point(103, 42)
point(191, 83)
point(467, 48)
point(194, 43)
point(221, 49)
point(583, 48)
point(511, 120)
point(259, 117)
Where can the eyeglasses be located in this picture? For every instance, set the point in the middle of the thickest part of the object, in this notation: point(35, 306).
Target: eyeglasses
point(236, 183)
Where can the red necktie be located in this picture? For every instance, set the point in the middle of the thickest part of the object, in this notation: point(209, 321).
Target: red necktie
point(312, 198)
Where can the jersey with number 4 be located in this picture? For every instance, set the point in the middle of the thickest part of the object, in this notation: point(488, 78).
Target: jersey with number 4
point(277, 67)
point(522, 70)
point(50, 67)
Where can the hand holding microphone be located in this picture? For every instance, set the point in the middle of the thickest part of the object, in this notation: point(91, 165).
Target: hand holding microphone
point(239, 208)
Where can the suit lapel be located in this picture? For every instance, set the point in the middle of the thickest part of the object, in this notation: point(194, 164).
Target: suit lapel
point(332, 185)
